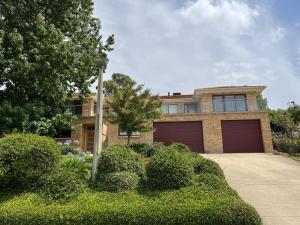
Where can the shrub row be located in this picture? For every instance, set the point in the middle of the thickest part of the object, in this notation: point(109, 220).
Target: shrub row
point(286, 144)
point(188, 206)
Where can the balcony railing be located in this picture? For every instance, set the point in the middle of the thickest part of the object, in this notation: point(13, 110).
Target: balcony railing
point(85, 110)
point(215, 106)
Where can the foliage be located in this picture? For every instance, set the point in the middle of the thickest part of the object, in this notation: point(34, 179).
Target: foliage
point(47, 52)
point(67, 149)
point(169, 170)
point(132, 107)
point(62, 184)
point(77, 165)
point(120, 181)
point(181, 148)
point(294, 110)
point(202, 165)
point(119, 159)
point(283, 122)
point(286, 144)
point(25, 158)
point(147, 150)
point(212, 182)
point(192, 206)
point(11, 117)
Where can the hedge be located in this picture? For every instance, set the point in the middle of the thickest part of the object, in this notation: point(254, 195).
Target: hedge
point(187, 206)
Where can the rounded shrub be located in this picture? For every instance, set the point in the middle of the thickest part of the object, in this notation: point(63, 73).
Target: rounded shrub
point(25, 158)
point(77, 165)
point(146, 150)
point(212, 182)
point(169, 170)
point(120, 181)
point(62, 184)
point(118, 159)
point(181, 148)
point(202, 165)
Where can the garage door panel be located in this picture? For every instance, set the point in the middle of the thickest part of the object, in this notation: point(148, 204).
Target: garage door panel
point(189, 133)
point(241, 136)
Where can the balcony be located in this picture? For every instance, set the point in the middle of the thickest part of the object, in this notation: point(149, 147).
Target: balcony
point(86, 110)
point(215, 106)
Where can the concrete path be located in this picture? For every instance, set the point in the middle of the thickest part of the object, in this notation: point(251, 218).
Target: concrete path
point(270, 183)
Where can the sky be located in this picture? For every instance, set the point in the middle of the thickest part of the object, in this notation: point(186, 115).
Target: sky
point(181, 45)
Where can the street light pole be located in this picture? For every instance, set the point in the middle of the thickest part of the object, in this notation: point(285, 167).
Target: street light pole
point(98, 125)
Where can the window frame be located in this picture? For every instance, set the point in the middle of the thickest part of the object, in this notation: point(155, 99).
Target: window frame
point(223, 100)
point(168, 108)
point(185, 107)
point(137, 133)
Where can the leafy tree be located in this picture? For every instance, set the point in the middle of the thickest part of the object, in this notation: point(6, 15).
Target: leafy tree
point(47, 51)
point(282, 122)
point(131, 106)
point(294, 110)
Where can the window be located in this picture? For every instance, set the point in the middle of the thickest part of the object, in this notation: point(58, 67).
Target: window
point(169, 108)
point(229, 103)
point(105, 109)
point(77, 108)
point(124, 133)
point(190, 107)
point(218, 103)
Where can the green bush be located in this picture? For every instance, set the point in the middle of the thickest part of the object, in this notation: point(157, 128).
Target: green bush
point(181, 148)
point(118, 159)
point(286, 144)
point(147, 150)
point(169, 169)
point(25, 158)
point(212, 182)
point(65, 150)
point(202, 165)
point(120, 181)
point(78, 165)
point(62, 184)
point(187, 206)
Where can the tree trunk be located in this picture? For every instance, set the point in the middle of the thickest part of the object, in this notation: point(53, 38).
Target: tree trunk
point(128, 138)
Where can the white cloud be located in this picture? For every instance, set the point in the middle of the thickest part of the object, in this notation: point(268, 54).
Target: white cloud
point(180, 46)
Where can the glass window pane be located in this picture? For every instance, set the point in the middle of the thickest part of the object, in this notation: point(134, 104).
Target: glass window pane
point(164, 109)
point(241, 105)
point(191, 108)
point(218, 104)
point(172, 108)
point(229, 104)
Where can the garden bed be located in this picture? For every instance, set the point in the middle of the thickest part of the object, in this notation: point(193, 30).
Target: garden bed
point(137, 184)
point(192, 205)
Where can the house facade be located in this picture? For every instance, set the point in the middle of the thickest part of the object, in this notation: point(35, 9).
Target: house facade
point(230, 119)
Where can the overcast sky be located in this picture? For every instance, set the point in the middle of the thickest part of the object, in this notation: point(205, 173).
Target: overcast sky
point(180, 45)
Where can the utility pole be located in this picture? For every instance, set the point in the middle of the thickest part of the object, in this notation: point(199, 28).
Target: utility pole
point(99, 118)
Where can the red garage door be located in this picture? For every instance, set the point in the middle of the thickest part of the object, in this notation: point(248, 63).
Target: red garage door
point(189, 133)
point(241, 136)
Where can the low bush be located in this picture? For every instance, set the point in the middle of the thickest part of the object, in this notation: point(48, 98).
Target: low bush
point(120, 181)
point(187, 206)
point(69, 149)
point(62, 184)
point(77, 165)
point(118, 159)
point(212, 182)
point(202, 165)
point(181, 148)
point(286, 144)
point(25, 158)
point(169, 169)
point(147, 150)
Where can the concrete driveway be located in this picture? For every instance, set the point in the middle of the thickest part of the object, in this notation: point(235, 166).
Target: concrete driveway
point(270, 183)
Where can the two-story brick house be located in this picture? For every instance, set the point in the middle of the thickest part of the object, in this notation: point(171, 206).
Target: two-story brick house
point(211, 120)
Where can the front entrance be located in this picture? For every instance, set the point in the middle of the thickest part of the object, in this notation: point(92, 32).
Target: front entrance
point(89, 138)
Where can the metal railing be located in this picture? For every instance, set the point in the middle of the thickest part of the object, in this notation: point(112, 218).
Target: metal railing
point(215, 106)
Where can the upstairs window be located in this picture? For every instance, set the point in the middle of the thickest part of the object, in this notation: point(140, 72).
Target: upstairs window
point(169, 108)
point(77, 108)
point(229, 103)
point(191, 107)
point(134, 134)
